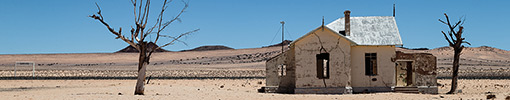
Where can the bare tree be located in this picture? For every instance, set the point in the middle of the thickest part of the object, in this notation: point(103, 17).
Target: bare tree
point(139, 33)
point(455, 40)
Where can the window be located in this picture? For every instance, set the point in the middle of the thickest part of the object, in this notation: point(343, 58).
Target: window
point(371, 64)
point(323, 65)
point(282, 70)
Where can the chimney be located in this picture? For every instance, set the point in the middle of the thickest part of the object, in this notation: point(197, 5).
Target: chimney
point(347, 18)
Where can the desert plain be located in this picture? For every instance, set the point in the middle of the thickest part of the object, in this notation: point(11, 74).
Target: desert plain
point(219, 75)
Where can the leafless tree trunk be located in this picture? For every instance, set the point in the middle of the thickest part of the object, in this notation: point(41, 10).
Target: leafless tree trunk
point(139, 33)
point(455, 40)
point(143, 61)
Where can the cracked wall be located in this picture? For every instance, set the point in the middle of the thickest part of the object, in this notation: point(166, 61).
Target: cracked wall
point(306, 50)
point(424, 67)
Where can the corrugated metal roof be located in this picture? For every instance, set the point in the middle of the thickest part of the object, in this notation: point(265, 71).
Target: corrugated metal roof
point(372, 30)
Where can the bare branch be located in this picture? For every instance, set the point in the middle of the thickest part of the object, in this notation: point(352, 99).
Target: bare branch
point(466, 42)
point(134, 8)
point(456, 24)
point(99, 17)
point(132, 33)
point(449, 25)
point(139, 12)
point(463, 20)
point(446, 37)
point(177, 38)
point(443, 22)
point(159, 20)
point(120, 32)
point(174, 38)
point(145, 14)
point(176, 17)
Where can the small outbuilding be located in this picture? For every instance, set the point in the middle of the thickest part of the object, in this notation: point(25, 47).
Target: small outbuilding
point(351, 54)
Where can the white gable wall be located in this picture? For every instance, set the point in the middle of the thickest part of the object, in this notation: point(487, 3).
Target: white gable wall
point(306, 50)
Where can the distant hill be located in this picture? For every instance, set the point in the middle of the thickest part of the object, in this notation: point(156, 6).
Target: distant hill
point(131, 49)
point(415, 48)
point(470, 56)
point(209, 48)
point(285, 42)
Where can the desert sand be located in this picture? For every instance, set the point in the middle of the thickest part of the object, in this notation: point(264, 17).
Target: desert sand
point(218, 89)
point(219, 74)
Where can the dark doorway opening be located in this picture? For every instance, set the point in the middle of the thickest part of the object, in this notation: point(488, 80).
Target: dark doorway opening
point(409, 78)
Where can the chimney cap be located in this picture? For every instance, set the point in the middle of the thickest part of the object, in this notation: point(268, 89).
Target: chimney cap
point(347, 12)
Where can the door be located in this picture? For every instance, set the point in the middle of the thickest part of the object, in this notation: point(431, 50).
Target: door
point(403, 73)
point(409, 75)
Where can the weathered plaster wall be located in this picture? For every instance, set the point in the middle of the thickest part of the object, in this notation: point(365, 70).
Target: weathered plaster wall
point(424, 67)
point(385, 66)
point(272, 78)
point(306, 50)
point(285, 83)
point(289, 81)
point(425, 70)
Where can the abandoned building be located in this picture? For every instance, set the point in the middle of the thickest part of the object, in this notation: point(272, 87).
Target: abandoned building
point(351, 55)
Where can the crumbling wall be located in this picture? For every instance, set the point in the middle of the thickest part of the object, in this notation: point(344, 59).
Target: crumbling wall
point(286, 82)
point(272, 78)
point(424, 67)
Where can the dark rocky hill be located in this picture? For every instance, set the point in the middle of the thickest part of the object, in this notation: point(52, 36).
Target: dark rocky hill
point(131, 49)
point(285, 42)
point(208, 48)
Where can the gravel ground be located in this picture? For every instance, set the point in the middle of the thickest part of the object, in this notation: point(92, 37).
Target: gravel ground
point(213, 73)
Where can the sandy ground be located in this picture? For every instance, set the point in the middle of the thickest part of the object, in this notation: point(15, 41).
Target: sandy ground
point(214, 75)
point(480, 62)
point(220, 89)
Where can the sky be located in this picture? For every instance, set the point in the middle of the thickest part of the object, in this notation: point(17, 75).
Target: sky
point(62, 26)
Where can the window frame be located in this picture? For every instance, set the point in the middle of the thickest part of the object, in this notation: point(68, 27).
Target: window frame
point(282, 70)
point(371, 64)
point(322, 61)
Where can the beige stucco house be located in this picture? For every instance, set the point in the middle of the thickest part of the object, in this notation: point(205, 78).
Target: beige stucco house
point(350, 54)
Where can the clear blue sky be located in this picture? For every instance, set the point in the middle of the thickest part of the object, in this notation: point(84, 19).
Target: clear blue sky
point(62, 26)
